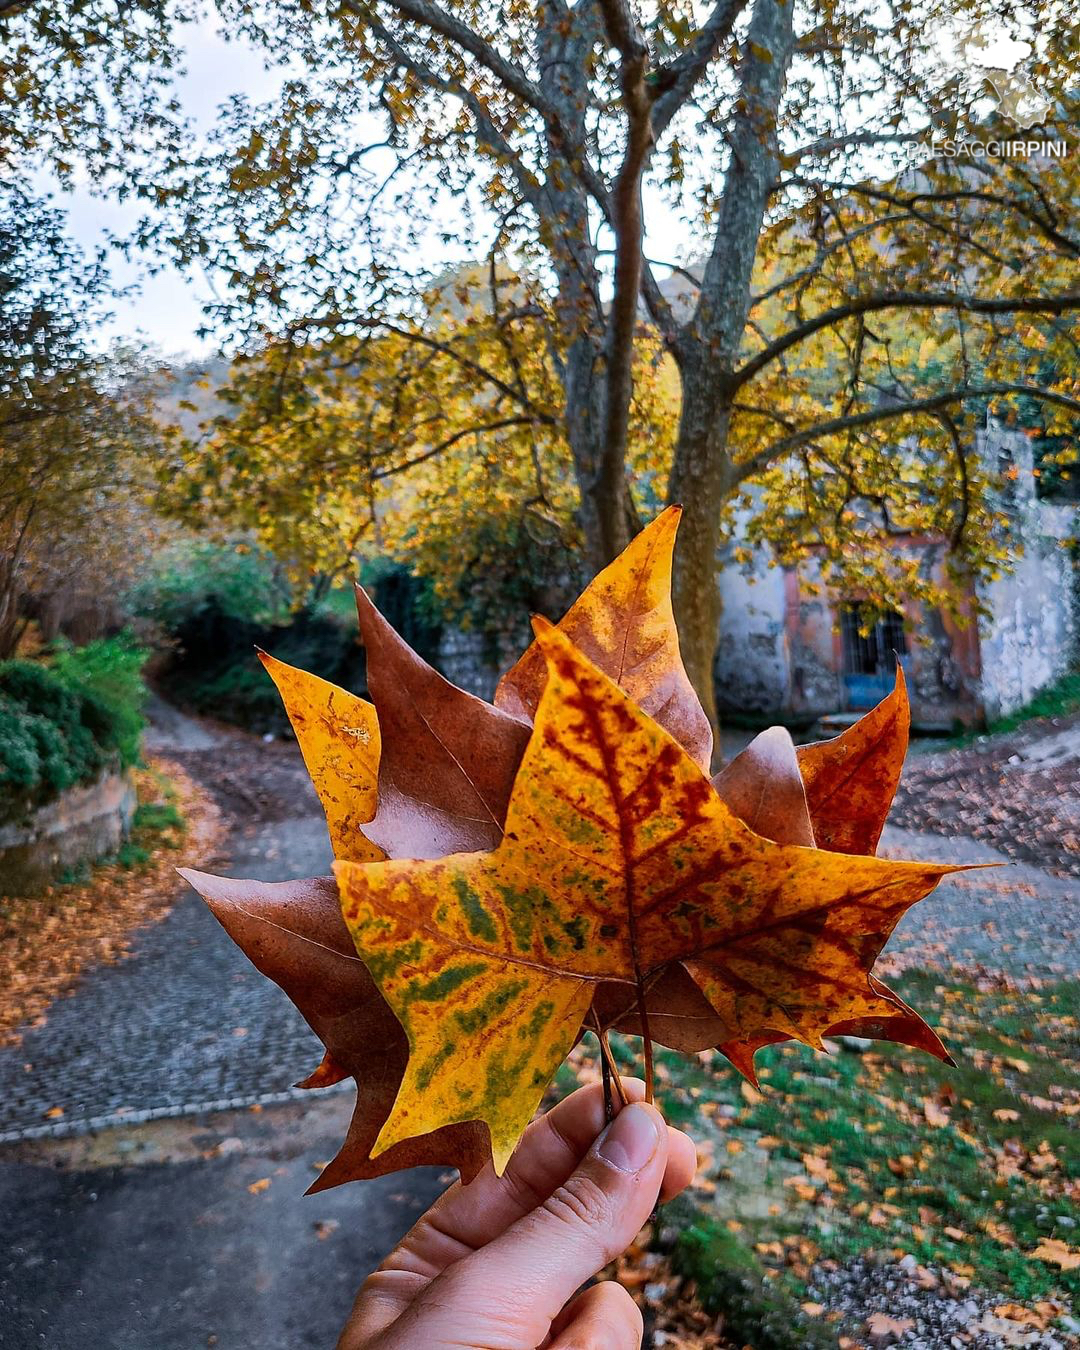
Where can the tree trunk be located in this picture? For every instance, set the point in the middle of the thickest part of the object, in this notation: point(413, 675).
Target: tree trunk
point(703, 476)
point(700, 482)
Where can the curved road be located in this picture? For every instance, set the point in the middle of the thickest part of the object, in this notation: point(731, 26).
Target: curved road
point(145, 1235)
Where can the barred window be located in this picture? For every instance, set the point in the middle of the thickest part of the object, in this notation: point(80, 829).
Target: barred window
point(873, 651)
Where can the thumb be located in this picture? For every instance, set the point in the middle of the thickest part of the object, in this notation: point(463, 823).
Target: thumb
point(517, 1284)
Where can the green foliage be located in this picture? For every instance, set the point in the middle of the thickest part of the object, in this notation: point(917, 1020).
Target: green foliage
point(757, 1310)
point(214, 668)
point(1060, 699)
point(56, 720)
point(190, 578)
point(157, 816)
point(60, 724)
point(492, 571)
point(20, 759)
point(109, 673)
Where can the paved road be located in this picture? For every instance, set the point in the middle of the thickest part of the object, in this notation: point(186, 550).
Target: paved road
point(149, 1238)
point(145, 1236)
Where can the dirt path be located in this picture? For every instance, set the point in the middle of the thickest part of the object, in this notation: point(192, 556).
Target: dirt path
point(1018, 791)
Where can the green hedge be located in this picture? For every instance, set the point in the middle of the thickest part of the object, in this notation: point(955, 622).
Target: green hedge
point(63, 721)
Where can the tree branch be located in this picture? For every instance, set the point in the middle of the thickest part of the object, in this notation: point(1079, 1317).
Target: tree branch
point(487, 132)
point(628, 224)
point(868, 304)
point(674, 83)
point(453, 439)
point(868, 417)
point(438, 20)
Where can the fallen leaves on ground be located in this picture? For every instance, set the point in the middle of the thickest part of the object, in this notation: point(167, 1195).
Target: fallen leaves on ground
point(884, 1329)
point(47, 940)
point(1019, 791)
point(1058, 1252)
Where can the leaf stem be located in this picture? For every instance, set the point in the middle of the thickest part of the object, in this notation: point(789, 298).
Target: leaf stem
point(647, 1044)
point(605, 1074)
point(608, 1066)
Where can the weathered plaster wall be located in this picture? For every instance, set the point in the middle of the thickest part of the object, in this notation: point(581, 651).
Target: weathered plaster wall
point(752, 666)
point(816, 685)
point(84, 822)
point(1029, 637)
point(780, 652)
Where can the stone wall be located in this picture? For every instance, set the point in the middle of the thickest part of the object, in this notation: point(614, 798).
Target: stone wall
point(85, 822)
point(752, 662)
point(466, 658)
point(1028, 638)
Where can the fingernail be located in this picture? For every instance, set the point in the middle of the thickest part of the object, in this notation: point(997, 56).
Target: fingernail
point(631, 1139)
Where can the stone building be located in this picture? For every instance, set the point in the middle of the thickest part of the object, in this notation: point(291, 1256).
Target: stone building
point(789, 653)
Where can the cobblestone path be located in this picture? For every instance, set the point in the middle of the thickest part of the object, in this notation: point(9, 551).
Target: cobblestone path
point(185, 1022)
point(1014, 920)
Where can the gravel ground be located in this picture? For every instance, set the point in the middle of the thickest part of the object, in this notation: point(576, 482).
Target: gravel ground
point(919, 1308)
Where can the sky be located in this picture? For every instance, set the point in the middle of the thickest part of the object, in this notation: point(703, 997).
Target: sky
point(164, 310)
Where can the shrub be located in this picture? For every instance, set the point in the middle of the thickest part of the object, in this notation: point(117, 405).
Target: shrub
point(20, 763)
point(109, 674)
point(190, 578)
point(215, 669)
point(61, 723)
point(59, 719)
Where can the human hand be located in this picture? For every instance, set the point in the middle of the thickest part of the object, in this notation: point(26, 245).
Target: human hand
point(496, 1264)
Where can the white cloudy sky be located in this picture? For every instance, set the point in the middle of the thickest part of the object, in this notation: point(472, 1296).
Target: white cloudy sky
point(165, 309)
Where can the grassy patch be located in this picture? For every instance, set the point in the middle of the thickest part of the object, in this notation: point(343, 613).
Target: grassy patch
point(1060, 699)
point(968, 1168)
point(1056, 700)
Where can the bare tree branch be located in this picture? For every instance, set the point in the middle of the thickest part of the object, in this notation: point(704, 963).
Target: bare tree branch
point(487, 132)
point(438, 20)
point(674, 83)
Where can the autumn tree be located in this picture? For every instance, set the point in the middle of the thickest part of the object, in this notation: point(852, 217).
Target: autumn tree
point(796, 139)
point(439, 446)
point(75, 434)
